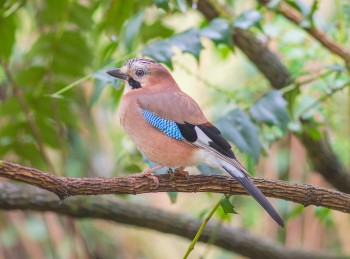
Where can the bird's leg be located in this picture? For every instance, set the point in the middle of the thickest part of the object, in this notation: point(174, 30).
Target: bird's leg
point(171, 174)
point(149, 174)
point(181, 171)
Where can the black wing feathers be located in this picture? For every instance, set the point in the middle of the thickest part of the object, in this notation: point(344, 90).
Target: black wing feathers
point(217, 142)
point(188, 132)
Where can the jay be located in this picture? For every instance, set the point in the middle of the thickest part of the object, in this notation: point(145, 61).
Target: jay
point(170, 129)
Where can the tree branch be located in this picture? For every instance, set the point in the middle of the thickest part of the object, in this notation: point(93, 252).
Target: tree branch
point(297, 18)
point(16, 196)
point(259, 54)
point(270, 65)
point(64, 187)
point(326, 162)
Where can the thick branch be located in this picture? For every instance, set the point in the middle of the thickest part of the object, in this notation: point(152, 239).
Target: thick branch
point(297, 18)
point(326, 162)
point(15, 196)
point(65, 186)
point(269, 64)
point(258, 53)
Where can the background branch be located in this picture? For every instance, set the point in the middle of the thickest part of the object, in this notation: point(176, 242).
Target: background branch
point(19, 197)
point(65, 186)
point(297, 18)
point(278, 75)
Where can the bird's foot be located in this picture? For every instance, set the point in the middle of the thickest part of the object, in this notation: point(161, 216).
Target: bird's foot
point(180, 171)
point(149, 174)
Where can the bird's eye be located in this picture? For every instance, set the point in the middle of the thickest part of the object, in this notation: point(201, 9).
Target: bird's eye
point(139, 72)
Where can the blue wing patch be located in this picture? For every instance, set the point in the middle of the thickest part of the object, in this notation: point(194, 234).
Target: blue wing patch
point(168, 127)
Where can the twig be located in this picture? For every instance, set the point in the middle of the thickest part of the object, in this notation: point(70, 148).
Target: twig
point(64, 187)
point(296, 17)
point(201, 229)
point(324, 97)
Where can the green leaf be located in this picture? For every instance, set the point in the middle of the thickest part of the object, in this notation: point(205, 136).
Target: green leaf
point(117, 13)
point(188, 42)
point(32, 76)
point(237, 127)
point(247, 19)
point(67, 56)
point(155, 30)
point(8, 33)
point(163, 4)
point(182, 5)
point(160, 51)
point(53, 12)
point(173, 196)
point(296, 211)
point(324, 215)
point(291, 97)
point(299, 5)
point(227, 206)
point(271, 109)
point(9, 107)
point(81, 16)
point(218, 31)
point(132, 31)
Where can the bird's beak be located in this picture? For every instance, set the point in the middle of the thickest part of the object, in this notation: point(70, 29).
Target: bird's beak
point(116, 73)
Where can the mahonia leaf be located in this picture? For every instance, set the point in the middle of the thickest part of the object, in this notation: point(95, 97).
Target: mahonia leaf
point(163, 4)
point(155, 30)
point(8, 34)
point(271, 109)
point(182, 5)
point(160, 51)
point(218, 31)
point(227, 206)
point(188, 42)
point(131, 32)
point(237, 127)
point(247, 19)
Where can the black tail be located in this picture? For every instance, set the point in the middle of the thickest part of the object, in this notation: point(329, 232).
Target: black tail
point(258, 196)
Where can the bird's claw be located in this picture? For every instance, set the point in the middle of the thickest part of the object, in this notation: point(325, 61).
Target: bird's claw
point(180, 171)
point(149, 174)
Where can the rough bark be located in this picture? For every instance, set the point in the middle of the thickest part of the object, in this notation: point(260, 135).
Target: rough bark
point(19, 197)
point(65, 187)
point(326, 162)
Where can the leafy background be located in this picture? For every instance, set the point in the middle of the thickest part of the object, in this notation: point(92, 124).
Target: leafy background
point(58, 112)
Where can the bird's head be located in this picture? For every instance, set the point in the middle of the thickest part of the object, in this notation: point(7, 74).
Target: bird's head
point(143, 73)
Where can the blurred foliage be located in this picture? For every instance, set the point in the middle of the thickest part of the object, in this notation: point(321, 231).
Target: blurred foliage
point(54, 92)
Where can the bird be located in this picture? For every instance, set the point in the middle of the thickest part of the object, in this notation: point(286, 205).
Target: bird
point(171, 130)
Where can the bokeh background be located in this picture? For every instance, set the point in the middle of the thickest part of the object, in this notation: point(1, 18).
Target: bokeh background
point(59, 113)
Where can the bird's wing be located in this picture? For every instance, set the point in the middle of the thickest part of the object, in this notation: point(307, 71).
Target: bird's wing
point(179, 116)
point(175, 106)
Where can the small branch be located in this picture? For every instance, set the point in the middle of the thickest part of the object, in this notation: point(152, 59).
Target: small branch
point(19, 197)
point(324, 97)
point(296, 17)
point(64, 187)
point(201, 229)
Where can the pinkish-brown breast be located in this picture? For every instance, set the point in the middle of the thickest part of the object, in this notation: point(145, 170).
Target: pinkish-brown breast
point(154, 144)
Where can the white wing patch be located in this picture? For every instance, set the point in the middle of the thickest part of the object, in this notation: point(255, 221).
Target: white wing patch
point(202, 137)
point(203, 142)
